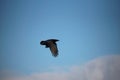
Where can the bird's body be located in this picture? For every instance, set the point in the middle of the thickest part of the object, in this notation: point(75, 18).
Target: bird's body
point(51, 43)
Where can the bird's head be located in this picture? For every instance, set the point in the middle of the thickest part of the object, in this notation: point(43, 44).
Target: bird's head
point(43, 42)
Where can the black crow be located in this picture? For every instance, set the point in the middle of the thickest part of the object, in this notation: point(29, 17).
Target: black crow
point(51, 43)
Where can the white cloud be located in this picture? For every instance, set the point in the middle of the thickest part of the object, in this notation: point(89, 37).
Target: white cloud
point(55, 75)
point(103, 68)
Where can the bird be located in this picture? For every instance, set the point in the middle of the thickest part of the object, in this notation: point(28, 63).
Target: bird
point(51, 44)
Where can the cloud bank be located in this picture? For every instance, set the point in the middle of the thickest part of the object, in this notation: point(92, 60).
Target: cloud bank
point(103, 68)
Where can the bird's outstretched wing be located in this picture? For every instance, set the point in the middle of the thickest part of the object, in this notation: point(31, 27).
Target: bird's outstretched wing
point(53, 48)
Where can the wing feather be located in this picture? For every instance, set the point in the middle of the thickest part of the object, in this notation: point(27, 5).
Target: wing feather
point(53, 49)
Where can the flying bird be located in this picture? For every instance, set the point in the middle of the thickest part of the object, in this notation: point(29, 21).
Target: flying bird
point(51, 44)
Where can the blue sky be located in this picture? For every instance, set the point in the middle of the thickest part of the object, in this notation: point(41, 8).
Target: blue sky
point(86, 29)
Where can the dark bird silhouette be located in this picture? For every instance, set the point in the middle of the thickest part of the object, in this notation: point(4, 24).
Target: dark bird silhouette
point(51, 43)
